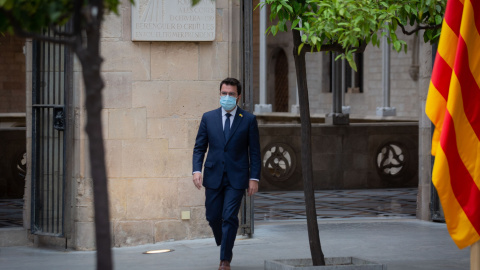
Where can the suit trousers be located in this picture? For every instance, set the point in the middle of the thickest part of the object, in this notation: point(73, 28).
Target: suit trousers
point(222, 206)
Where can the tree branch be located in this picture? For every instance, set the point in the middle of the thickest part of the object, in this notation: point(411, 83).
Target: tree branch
point(335, 47)
point(418, 28)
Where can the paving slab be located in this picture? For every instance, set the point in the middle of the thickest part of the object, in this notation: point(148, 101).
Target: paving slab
point(401, 244)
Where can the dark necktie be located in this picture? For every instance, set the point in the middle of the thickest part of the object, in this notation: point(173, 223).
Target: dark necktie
point(226, 129)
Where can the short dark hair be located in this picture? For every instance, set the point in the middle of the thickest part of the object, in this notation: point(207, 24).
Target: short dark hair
point(233, 82)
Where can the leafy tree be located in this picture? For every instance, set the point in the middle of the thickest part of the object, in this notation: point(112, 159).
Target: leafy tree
point(345, 27)
point(28, 18)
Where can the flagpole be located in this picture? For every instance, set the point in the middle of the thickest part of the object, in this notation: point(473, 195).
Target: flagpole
point(475, 256)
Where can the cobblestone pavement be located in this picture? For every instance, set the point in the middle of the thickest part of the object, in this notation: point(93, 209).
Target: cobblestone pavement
point(11, 213)
point(290, 205)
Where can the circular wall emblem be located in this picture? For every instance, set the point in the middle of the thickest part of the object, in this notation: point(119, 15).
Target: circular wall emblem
point(278, 161)
point(391, 159)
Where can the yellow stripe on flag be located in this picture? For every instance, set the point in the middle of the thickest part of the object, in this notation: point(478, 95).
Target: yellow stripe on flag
point(458, 224)
point(447, 46)
point(434, 97)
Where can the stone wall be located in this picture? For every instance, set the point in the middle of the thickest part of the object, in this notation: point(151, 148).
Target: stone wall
point(344, 157)
point(155, 94)
point(12, 74)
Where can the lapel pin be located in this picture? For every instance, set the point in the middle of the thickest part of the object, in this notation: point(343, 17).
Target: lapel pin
point(241, 115)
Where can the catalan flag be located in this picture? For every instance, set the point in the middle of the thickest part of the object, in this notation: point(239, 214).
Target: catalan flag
point(453, 105)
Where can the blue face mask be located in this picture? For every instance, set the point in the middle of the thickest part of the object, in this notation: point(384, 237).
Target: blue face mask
point(228, 102)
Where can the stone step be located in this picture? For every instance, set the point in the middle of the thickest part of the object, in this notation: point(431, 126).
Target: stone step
point(10, 237)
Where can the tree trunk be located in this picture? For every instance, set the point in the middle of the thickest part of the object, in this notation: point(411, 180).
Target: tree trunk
point(91, 62)
point(93, 86)
point(313, 235)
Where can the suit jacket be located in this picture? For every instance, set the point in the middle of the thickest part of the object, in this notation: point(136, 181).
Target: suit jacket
point(238, 156)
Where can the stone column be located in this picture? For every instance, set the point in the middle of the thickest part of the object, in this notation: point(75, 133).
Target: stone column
point(345, 109)
point(424, 134)
point(295, 108)
point(336, 117)
point(386, 110)
point(263, 106)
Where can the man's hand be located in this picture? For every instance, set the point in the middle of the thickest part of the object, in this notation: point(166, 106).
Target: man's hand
point(252, 187)
point(197, 180)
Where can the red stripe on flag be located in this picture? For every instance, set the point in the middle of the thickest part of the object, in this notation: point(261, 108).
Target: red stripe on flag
point(463, 186)
point(453, 13)
point(476, 12)
point(441, 76)
point(470, 89)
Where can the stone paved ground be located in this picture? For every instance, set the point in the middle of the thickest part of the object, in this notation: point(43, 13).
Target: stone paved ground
point(401, 244)
point(371, 203)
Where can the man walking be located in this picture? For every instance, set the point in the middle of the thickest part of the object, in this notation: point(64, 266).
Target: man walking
point(233, 164)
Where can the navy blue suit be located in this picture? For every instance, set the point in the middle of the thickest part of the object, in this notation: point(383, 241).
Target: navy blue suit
point(229, 166)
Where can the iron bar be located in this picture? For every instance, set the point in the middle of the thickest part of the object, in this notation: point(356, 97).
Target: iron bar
point(42, 166)
point(48, 174)
point(56, 136)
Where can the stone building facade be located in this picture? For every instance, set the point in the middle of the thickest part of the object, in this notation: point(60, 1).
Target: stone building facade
point(155, 94)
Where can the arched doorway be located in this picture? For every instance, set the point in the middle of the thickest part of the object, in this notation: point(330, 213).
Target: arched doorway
point(281, 82)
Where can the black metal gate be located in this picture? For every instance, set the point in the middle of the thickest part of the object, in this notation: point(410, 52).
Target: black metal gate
point(51, 77)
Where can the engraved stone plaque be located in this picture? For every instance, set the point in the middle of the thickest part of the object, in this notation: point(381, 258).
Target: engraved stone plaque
point(173, 20)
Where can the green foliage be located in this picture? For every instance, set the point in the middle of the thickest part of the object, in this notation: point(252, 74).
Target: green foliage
point(195, 2)
point(352, 23)
point(34, 15)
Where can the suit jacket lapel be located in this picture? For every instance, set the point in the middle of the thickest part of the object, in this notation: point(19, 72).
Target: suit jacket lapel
point(236, 122)
point(219, 123)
